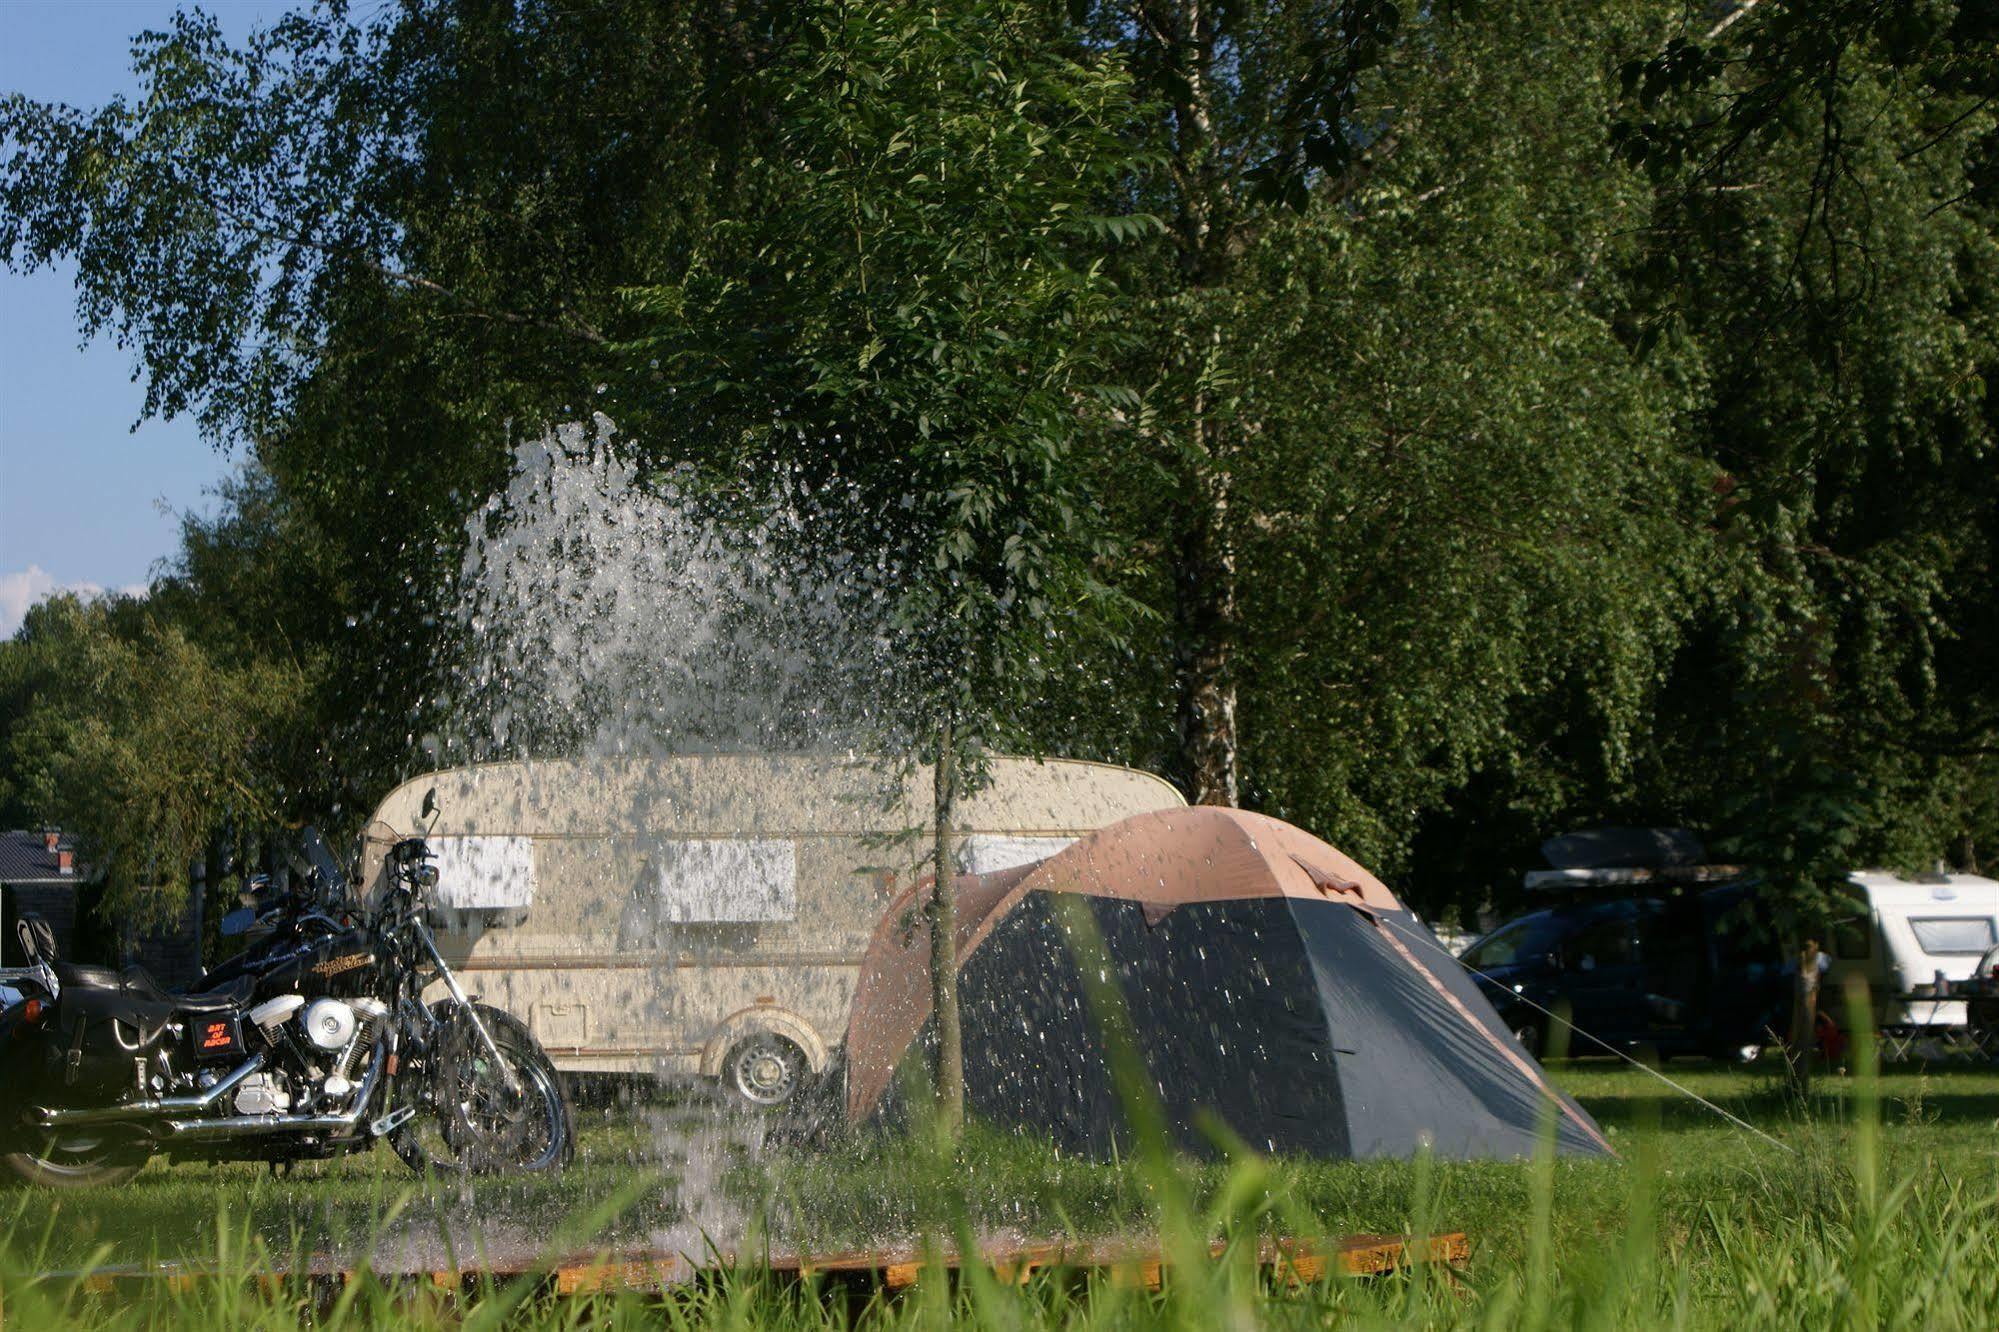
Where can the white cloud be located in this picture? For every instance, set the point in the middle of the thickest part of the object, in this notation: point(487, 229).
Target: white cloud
point(18, 591)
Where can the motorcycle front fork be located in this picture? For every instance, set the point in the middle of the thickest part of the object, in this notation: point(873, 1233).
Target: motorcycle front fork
point(457, 993)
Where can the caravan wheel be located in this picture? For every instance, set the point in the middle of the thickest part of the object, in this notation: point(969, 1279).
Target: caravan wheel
point(764, 1071)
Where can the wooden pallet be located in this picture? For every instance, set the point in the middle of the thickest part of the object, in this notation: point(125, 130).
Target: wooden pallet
point(1122, 1263)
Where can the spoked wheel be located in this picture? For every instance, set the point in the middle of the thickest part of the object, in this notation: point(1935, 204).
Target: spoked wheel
point(764, 1071)
point(77, 1159)
point(468, 1120)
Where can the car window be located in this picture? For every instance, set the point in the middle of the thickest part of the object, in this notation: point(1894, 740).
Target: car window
point(1954, 934)
point(1608, 939)
point(1520, 940)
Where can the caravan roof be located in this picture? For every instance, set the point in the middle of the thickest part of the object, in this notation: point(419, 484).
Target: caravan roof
point(1972, 892)
point(733, 795)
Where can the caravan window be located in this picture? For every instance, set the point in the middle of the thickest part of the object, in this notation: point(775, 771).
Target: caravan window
point(1853, 939)
point(1954, 934)
point(726, 881)
point(484, 873)
point(983, 853)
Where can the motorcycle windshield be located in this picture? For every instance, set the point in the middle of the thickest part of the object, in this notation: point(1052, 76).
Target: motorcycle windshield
point(321, 858)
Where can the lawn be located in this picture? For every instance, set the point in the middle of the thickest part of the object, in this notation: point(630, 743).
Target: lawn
point(1700, 1221)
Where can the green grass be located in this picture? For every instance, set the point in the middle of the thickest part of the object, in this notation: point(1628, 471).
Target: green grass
point(1887, 1214)
point(1937, 1125)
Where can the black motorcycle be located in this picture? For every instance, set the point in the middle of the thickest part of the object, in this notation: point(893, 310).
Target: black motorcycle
point(314, 1041)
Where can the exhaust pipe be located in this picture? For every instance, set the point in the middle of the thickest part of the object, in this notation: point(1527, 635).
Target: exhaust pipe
point(237, 1125)
point(170, 1105)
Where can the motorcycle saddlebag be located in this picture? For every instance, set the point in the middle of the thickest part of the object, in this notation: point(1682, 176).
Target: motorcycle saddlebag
point(93, 1039)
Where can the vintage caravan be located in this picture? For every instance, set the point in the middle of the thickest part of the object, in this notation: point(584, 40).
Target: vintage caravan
point(707, 914)
point(1912, 932)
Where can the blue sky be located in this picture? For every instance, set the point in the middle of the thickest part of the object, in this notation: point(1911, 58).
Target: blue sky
point(84, 501)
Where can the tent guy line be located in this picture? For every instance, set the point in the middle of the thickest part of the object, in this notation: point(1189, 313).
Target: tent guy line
point(1685, 1091)
point(1519, 1058)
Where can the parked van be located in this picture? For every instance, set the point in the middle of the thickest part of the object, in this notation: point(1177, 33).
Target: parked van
point(1911, 932)
point(707, 914)
point(1644, 955)
point(1657, 966)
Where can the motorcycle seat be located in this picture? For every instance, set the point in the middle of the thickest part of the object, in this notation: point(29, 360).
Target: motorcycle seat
point(78, 976)
point(137, 983)
point(231, 996)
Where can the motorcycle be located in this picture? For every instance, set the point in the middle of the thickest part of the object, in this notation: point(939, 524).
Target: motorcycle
point(313, 1042)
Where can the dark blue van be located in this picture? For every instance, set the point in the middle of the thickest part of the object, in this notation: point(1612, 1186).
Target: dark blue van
point(1674, 971)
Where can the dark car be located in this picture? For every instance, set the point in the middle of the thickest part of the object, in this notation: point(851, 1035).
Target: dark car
point(1676, 971)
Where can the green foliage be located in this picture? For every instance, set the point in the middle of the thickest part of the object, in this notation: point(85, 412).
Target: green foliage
point(1514, 417)
point(1405, 424)
point(122, 727)
point(1822, 264)
point(909, 308)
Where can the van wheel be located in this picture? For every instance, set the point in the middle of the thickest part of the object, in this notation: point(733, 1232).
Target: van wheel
point(1531, 1035)
point(763, 1071)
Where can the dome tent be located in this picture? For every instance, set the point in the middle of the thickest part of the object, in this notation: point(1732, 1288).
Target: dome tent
point(1270, 981)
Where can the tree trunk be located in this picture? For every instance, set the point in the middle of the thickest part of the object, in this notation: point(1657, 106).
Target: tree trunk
point(949, 1079)
point(1204, 612)
point(217, 874)
point(1188, 35)
point(1803, 1040)
point(196, 921)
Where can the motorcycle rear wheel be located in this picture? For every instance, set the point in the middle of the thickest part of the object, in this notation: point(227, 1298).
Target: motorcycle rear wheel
point(468, 1122)
point(78, 1161)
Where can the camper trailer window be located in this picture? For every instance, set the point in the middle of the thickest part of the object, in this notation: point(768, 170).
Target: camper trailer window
point(1852, 940)
point(1954, 934)
point(484, 873)
point(727, 881)
point(985, 853)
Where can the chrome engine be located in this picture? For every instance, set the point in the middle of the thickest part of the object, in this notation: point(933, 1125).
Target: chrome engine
point(319, 1047)
point(329, 1024)
point(262, 1094)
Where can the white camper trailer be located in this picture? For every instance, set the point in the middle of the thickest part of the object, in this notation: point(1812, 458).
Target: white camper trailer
point(707, 914)
point(1912, 932)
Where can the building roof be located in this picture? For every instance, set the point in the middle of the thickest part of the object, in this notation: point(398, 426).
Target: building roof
point(25, 858)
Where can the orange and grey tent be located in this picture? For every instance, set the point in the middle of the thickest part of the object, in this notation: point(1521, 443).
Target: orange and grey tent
point(1269, 982)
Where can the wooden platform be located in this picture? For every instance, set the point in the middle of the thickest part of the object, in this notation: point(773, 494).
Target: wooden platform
point(1286, 1261)
point(1124, 1263)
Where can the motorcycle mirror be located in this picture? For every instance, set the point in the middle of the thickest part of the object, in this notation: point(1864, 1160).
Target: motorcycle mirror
point(239, 921)
point(429, 803)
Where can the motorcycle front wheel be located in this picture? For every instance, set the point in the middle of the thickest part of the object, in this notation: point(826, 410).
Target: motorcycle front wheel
point(468, 1121)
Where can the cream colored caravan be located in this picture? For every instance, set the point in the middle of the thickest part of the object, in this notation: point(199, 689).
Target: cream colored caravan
point(706, 913)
